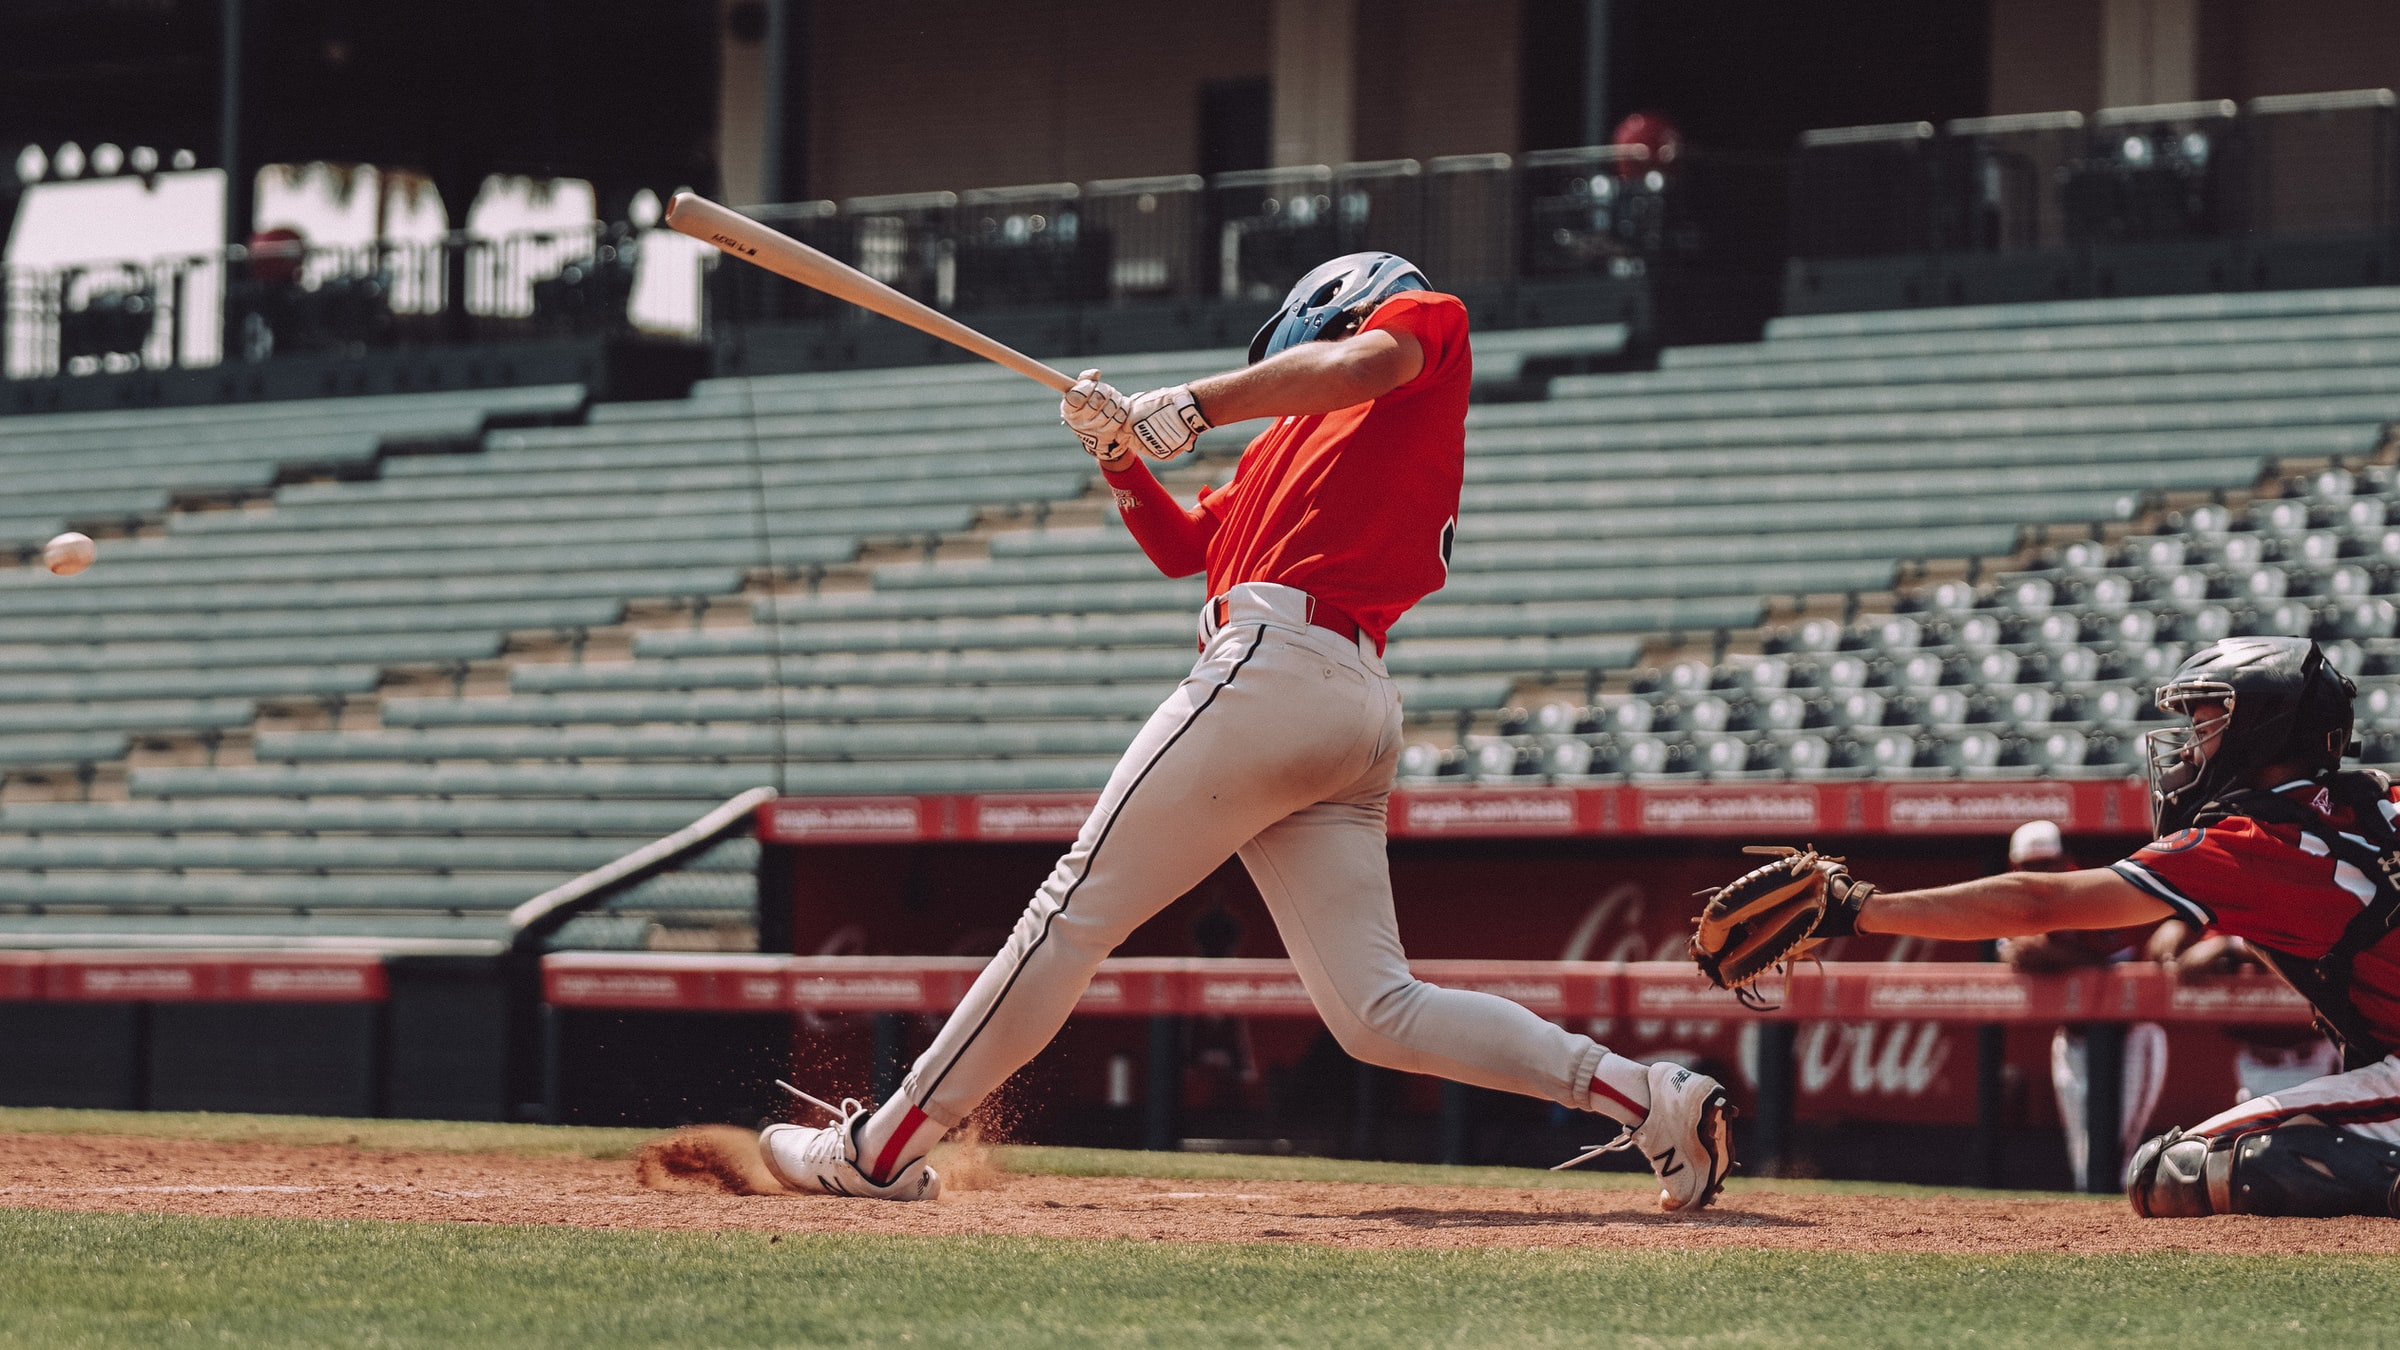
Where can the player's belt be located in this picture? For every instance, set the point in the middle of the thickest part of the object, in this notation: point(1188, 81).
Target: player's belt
point(1325, 616)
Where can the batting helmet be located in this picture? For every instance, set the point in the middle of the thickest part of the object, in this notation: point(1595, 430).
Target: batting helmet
point(2284, 703)
point(1333, 300)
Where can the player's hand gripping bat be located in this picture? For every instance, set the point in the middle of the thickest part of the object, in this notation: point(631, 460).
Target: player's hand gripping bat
point(785, 256)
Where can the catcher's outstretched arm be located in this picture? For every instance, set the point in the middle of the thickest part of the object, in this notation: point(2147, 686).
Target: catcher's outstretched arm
point(2012, 905)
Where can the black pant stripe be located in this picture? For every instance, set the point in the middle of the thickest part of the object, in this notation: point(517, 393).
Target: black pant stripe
point(1069, 898)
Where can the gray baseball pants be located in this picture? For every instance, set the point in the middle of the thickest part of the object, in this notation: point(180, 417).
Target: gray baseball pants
point(1281, 745)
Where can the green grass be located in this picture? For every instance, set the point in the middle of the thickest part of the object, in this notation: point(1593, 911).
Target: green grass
point(443, 1136)
point(138, 1280)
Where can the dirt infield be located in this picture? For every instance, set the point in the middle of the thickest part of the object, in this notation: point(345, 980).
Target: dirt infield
point(697, 1181)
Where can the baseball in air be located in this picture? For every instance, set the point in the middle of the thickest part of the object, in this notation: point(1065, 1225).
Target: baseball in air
point(69, 553)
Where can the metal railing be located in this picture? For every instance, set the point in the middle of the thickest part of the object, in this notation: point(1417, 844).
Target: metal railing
point(248, 304)
point(1245, 236)
point(2314, 167)
point(2286, 167)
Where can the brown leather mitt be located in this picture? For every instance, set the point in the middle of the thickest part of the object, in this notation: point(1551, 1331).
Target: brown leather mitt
point(1763, 918)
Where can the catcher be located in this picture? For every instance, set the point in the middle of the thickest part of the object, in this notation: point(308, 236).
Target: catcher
point(2260, 835)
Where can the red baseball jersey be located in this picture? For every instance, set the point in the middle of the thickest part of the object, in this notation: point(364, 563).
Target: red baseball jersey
point(1357, 506)
point(2279, 887)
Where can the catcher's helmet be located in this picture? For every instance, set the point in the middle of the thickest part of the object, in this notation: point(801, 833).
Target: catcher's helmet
point(2284, 702)
point(1333, 300)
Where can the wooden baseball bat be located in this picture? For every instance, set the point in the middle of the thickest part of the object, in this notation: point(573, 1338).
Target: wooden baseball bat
point(785, 256)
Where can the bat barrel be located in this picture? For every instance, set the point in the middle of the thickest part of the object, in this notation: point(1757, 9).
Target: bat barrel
point(752, 242)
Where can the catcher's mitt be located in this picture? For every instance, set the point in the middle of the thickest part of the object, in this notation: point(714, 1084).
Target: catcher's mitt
point(1770, 914)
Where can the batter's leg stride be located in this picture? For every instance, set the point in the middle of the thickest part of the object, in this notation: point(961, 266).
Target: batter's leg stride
point(1280, 745)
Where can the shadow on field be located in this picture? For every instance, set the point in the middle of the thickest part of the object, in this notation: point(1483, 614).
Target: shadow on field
point(1413, 1217)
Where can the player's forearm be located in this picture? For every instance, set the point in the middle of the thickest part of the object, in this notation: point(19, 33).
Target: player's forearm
point(1988, 907)
point(1175, 540)
point(1314, 377)
point(2012, 904)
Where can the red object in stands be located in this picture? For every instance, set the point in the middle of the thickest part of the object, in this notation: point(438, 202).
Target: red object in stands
point(1657, 134)
point(277, 256)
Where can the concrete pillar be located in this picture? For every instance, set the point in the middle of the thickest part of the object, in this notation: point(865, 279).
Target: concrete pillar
point(1596, 20)
point(241, 188)
point(2149, 52)
point(751, 41)
point(1315, 65)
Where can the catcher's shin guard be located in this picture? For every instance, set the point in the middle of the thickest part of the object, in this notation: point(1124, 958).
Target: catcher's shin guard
point(2297, 1171)
point(2168, 1177)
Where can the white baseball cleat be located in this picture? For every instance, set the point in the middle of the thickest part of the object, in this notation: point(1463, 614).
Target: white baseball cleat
point(1685, 1137)
point(826, 1158)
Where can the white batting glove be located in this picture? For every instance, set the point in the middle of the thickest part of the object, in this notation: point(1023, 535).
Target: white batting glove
point(1095, 412)
point(1166, 421)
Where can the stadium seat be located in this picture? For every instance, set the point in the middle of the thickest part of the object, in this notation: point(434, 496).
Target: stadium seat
point(563, 817)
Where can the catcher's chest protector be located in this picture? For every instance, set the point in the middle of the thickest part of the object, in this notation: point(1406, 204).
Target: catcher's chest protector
point(2326, 981)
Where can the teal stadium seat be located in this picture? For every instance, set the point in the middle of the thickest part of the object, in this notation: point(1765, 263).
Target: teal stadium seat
point(561, 817)
point(347, 620)
point(431, 934)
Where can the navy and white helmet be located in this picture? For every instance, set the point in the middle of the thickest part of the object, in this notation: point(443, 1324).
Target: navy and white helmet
point(2279, 701)
point(1334, 299)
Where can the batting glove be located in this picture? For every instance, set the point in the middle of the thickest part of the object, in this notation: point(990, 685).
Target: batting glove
point(1095, 412)
point(1166, 421)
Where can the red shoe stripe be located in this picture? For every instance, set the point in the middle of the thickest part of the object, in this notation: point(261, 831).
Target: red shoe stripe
point(889, 1159)
point(1621, 1099)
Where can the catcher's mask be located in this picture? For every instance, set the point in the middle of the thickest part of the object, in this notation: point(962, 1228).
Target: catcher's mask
point(1333, 300)
point(2279, 701)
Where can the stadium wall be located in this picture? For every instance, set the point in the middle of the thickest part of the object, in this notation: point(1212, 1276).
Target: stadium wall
point(2048, 55)
point(999, 100)
point(348, 1034)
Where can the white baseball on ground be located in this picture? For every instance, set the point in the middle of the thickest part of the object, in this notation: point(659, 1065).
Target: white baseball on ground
point(69, 553)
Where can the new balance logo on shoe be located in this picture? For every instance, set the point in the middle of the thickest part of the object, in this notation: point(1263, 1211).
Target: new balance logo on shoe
point(1687, 1117)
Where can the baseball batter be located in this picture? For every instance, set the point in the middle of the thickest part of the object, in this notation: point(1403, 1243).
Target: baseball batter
point(1280, 745)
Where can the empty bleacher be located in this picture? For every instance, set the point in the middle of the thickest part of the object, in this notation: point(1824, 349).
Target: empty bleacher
point(2041, 411)
point(398, 697)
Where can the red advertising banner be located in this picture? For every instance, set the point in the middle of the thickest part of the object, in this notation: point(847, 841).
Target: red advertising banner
point(1924, 991)
point(666, 981)
point(1495, 812)
point(848, 820)
point(879, 983)
point(1765, 809)
point(1778, 810)
point(181, 977)
point(1028, 815)
point(21, 975)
